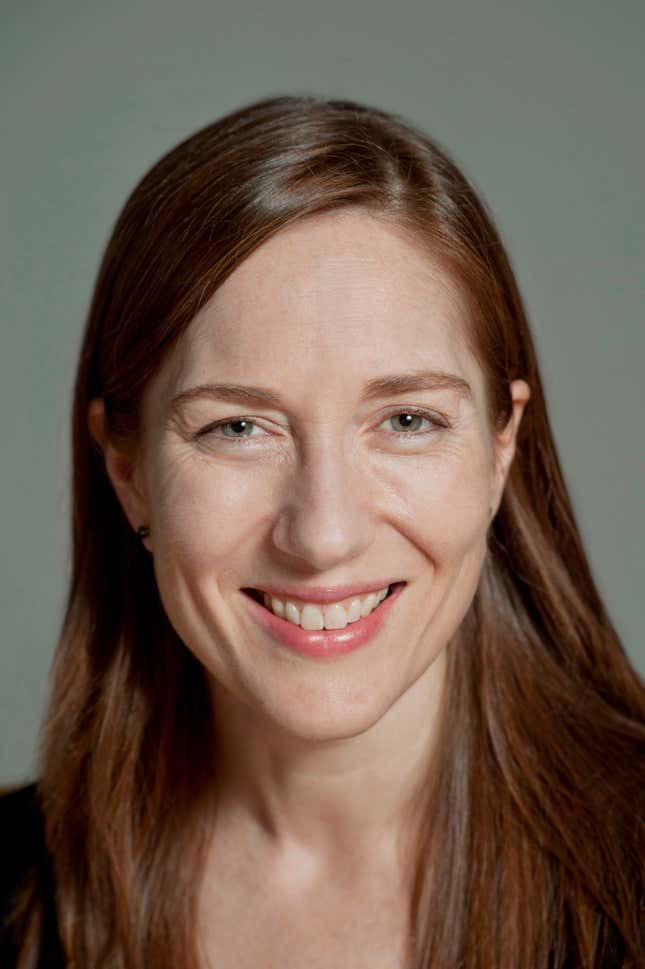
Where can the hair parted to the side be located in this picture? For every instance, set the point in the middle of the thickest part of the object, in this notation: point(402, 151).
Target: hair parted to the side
point(535, 812)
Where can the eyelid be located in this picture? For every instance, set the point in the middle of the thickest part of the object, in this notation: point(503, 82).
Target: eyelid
point(438, 422)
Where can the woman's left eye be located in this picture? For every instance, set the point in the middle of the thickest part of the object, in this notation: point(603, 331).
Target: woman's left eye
point(408, 423)
point(411, 419)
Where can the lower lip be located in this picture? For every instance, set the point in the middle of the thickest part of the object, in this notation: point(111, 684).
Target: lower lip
point(322, 643)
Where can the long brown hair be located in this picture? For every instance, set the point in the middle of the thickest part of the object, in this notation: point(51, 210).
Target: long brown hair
point(536, 824)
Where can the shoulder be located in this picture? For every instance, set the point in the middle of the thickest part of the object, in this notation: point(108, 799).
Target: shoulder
point(23, 852)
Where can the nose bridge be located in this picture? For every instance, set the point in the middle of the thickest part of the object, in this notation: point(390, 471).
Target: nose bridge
point(323, 518)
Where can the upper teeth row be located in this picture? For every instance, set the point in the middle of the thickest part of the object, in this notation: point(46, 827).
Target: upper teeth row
point(333, 616)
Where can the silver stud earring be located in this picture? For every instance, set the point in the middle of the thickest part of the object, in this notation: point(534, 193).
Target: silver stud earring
point(143, 531)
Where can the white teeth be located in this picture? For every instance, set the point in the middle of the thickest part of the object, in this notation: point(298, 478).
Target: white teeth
point(311, 617)
point(277, 607)
point(369, 602)
point(354, 612)
point(333, 616)
point(291, 613)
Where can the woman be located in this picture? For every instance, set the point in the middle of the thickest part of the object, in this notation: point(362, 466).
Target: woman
point(334, 685)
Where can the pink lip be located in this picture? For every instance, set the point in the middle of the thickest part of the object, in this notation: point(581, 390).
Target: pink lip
point(324, 594)
point(321, 643)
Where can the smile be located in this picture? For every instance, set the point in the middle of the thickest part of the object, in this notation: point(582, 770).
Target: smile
point(335, 615)
point(319, 640)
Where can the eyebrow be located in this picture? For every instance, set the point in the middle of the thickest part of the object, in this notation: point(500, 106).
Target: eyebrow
point(377, 387)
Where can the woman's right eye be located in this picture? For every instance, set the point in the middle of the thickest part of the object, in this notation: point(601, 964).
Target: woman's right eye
point(240, 427)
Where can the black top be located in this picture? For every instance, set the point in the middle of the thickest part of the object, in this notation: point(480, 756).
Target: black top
point(23, 849)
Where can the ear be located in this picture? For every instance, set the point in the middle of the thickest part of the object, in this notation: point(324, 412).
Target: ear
point(122, 468)
point(505, 440)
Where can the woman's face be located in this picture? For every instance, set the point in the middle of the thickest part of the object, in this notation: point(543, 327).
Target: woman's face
point(325, 485)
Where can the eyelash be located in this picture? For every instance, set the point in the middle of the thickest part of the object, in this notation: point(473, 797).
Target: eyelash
point(438, 424)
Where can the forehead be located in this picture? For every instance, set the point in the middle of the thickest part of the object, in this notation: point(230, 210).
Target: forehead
point(333, 296)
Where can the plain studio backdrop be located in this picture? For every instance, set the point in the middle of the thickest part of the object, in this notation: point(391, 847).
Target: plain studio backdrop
point(542, 106)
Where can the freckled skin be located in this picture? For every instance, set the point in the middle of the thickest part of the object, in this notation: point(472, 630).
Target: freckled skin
point(326, 491)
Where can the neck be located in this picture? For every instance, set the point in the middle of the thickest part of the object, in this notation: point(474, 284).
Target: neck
point(330, 804)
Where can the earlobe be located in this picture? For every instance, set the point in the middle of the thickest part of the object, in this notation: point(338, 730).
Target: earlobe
point(120, 467)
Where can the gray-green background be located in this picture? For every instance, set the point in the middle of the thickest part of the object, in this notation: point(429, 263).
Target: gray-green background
point(542, 104)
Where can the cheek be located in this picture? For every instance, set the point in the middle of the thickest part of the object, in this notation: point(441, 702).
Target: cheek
point(202, 517)
point(204, 512)
point(441, 501)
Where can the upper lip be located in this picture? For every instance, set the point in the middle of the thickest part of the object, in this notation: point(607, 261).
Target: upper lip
point(322, 593)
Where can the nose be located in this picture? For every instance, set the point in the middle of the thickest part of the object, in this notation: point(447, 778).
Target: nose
point(324, 519)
